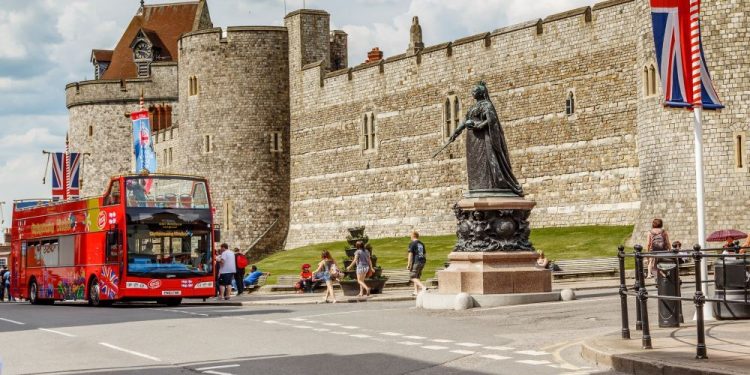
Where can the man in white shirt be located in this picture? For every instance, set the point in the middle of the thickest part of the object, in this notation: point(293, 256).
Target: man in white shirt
point(227, 268)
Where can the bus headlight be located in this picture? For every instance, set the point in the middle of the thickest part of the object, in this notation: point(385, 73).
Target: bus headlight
point(205, 284)
point(135, 285)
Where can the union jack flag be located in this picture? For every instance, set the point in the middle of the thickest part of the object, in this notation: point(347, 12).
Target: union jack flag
point(108, 281)
point(684, 74)
point(65, 181)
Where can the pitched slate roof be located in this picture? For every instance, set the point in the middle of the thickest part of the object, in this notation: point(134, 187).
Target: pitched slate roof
point(101, 55)
point(166, 22)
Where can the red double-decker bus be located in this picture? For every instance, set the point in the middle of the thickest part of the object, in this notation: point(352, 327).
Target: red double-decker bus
point(150, 237)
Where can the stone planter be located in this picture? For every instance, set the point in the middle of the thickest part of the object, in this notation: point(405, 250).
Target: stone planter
point(351, 288)
point(350, 252)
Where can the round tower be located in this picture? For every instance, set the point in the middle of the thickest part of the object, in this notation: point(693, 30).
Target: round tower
point(100, 125)
point(665, 135)
point(234, 101)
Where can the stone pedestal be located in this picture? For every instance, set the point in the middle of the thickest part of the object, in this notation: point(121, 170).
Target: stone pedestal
point(493, 254)
point(494, 273)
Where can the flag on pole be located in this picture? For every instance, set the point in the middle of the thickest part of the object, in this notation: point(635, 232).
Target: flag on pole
point(143, 147)
point(65, 181)
point(685, 79)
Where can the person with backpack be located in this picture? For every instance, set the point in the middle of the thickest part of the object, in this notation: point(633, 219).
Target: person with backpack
point(416, 261)
point(6, 285)
point(658, 240)
point(241, 262)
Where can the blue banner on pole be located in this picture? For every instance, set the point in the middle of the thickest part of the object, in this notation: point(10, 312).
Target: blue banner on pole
point(143, 146)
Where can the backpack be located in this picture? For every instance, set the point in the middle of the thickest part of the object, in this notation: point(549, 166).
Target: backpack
point(657, 241)
point(241, 261)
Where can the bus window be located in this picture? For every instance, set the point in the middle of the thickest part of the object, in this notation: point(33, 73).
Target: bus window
point(50, 253)
point(67, 251)
point(33, 255)
point(113, 196)
point(113, 245)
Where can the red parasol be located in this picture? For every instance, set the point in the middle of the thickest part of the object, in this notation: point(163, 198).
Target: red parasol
point(725, 234)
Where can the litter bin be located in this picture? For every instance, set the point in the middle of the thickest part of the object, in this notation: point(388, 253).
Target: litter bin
point(731, 281)
point(667, 282)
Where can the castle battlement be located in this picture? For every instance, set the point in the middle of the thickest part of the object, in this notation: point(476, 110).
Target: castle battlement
point(161, 86)
point(542, 31)
point(231, 34)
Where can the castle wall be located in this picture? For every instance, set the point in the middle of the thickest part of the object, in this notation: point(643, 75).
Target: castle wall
point(242, 99)
point(99, 117)
point(580, 169)
point(665, 136)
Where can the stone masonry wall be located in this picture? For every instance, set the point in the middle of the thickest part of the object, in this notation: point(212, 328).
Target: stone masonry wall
point(665, 135)
point(580, 169)
point(105, 106)
point(243, 97)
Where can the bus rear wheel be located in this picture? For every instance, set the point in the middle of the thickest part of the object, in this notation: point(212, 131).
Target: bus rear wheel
point(34, 295)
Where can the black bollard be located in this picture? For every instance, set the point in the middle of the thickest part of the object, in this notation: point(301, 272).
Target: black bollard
point(623, 293)
point(636, 288)
point(700, 300)
point(643, 298)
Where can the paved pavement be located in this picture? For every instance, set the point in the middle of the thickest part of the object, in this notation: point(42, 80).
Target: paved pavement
point(294, 334)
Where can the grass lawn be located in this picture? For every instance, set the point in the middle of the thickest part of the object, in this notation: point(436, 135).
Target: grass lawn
point(557, 243)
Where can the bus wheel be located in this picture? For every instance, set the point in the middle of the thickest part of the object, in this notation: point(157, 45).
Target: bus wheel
point(94, 299)
point(34, 293)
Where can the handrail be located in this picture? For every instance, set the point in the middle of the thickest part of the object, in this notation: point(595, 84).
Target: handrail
point(641, 295)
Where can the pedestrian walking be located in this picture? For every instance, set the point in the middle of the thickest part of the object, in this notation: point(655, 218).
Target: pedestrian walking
point(363, 262)
point(2, 283)
point(239, 276)
point(327, 271)
point(6, 286)
point(658, 240)
point(226, 271)
point(416, 262)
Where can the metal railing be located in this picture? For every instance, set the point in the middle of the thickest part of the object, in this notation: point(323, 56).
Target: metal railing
point(641, 294)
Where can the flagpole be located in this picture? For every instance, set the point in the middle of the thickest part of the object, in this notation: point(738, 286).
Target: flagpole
point(67, 169)
point(695, 59)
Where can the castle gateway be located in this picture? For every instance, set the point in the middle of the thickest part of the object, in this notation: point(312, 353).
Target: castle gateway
point(298, 146)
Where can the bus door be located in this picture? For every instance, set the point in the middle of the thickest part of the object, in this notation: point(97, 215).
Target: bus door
point(19, 275)
point(113, 249)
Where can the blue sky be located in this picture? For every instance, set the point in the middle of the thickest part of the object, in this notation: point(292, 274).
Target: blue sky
point(46, 44)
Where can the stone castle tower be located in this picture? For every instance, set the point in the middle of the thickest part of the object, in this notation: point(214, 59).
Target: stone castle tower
point(298, 146)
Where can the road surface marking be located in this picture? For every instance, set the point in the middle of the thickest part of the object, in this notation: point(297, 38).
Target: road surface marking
point(331, 324)
point(217, 373)
point(313, 321)
point(130, 352)
point(441, 340)
point(495, 357)
point(215, 367)
point(298, 319)
point(321, 329)
point(339, 333)
point(391, 334)
point(361, 336)
point(303, 327)
point(469, 344)
point(463, 352)
point(349, 327)
point(415, 337)
point(498, 348)
point(435, 347)
point(410, 343)
point(12, 321)
point(531, 352)
point(270, 322)
point(534, 362)
point(57, 332)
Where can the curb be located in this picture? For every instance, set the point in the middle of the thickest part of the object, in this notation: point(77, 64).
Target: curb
point(634, 364)
point(317, 302)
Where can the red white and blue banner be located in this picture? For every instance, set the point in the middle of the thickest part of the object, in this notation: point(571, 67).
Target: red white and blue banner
point(66, 180)
point(143, 146)
point(685, 79)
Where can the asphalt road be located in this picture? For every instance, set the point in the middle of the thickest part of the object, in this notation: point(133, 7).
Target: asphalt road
point(364, 338)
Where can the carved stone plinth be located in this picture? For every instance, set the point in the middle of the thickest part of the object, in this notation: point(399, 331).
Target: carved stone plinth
point(493, 254)
point(493, 224)
point(494, 273)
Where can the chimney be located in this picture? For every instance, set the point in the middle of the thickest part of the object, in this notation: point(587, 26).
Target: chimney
point(6, 236)
point(375, 55)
